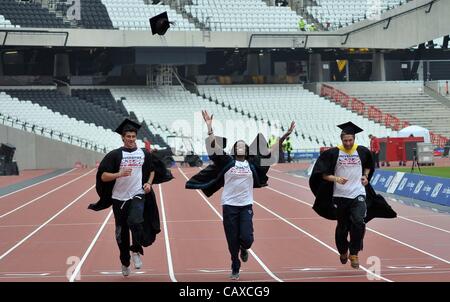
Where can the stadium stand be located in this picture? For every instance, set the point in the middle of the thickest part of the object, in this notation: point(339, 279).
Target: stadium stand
point(4, 23)
point(135, 14)
point(405, 100)
point(343, 13)
point(244, 15)
point(77, 132)
point(93, 14)
point(29, 14)
point(317, 117)
point(98, 108)
point(171, 111)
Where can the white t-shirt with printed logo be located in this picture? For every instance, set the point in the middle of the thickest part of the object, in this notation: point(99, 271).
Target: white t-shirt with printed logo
point(127, 187)
point(238, 186)
point(350, 167)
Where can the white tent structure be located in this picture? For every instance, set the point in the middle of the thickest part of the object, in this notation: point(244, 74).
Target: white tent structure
point(416, 131)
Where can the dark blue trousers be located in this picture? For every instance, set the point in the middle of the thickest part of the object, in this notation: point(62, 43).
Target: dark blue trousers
point(129, 216)
point(238, 225)
point(350, 220)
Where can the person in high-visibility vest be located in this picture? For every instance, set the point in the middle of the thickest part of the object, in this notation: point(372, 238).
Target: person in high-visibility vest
point(302, 24)
point(312, 27)
point(287, 147)
point(272, 141)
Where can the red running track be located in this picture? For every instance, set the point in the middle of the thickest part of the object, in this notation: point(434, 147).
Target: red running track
point(24, 175)
point(47, 234)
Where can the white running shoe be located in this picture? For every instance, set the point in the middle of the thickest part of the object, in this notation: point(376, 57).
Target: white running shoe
point(234, 275)
point(137, 260)
point(125, 270)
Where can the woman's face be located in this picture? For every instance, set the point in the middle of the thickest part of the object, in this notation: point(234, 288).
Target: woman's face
point(240, 148)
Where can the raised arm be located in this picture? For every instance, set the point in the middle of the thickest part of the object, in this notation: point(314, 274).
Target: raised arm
point(208, 120)
point(283, 138)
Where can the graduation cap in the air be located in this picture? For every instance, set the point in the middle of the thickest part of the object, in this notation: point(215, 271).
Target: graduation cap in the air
point(127, 125)
point(160, 24)
point(350, 128)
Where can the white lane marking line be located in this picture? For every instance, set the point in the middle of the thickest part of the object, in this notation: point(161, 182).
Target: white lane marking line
point(213, 270)
point(409, 245)
point(411, 267)
point(38, 183)
point(166, 238)
point(27, 274)
point(37, 198)
point(291, 183)
point(372, 230)
point(287, 172)
point(44, 224)
point(251, 251)
point(317, 239)
point(402, 217)
point(88, 251)
point(120, 273)
point(424, 224)
point(313, 269)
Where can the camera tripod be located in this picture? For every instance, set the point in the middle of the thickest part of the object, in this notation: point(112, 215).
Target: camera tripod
point(415, 163)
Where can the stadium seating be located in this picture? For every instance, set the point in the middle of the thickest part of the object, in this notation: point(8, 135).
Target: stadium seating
point(242, 111)
point(55, 122)
point(405, 100)
point(244, 15)
point(135, 15)
point(4, 23)
point(174, 112)
point(346, 12)
point(93, 14)
point(96, 107)
point(316, 117)
point(29, 14)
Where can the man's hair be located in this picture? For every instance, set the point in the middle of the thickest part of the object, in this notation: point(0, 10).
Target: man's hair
point(234, 149)
point(345, 133)
point(124, 132)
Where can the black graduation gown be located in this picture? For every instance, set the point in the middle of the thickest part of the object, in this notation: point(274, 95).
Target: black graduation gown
point(377, 207)
point(111, 163)
point(212, 178)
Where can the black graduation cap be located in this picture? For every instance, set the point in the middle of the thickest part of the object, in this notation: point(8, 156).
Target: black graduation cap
point(127, 125)
point(160, 24)
point(350, 128)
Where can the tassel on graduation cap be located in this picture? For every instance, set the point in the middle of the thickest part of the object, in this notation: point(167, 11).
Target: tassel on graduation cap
point(160, 24)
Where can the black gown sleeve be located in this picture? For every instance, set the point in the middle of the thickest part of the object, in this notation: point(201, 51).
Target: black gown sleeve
point(154, 163)
point(367, 161)
point(210, 179)
point(377, 206)
point(322, 189)
point(111, 164)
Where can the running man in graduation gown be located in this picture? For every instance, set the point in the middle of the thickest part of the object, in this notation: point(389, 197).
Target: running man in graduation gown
point(124, 180)
point(340, 181)
point(238, 174)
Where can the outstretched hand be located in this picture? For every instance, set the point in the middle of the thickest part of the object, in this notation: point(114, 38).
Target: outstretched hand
point(291, 128)
point(208, 119)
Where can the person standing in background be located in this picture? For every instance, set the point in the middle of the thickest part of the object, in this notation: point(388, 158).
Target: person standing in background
point(375, 149)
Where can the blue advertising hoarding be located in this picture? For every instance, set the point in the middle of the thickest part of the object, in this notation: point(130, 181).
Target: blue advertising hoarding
point(415, 186)
point(381, 180)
